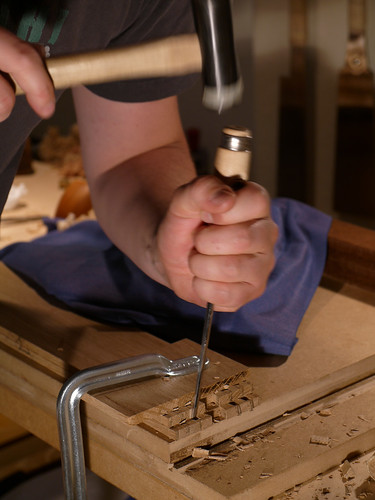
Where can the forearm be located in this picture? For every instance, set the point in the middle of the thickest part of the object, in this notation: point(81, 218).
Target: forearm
point(131, 199)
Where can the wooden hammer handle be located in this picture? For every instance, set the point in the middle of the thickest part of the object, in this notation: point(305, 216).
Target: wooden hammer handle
point(172, 56)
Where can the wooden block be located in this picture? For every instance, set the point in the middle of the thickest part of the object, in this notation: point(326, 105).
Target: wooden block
point(244, 404)
point(205, 422)
point(218, 398)
point(225, 411)
point(227, 394)
point(231, 410)
point(187, 429)
point(175, 417)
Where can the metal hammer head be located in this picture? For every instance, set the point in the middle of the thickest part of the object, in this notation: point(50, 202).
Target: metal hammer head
point(222, 81)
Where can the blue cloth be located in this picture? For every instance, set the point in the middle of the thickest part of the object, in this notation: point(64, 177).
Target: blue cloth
point(84, 270)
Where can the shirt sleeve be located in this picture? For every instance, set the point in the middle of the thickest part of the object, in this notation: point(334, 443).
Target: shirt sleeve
point(155, 19)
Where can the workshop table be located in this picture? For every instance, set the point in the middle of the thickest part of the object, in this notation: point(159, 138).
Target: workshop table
point(312, 412)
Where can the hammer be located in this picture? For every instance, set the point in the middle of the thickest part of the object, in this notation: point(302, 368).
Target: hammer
point(211, 52)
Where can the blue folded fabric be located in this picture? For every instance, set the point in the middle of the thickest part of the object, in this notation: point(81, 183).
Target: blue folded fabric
point(83, 269)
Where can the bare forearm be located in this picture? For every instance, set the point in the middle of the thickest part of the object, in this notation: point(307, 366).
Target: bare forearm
point(131, 199)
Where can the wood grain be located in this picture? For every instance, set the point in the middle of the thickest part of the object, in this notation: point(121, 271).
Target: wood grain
point(351, 254)
point(42, 344)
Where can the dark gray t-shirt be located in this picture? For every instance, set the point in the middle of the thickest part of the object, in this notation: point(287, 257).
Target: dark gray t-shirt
point(69, 26)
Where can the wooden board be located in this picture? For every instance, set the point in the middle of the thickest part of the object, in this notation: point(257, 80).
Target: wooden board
point(43, 344)
point(294, 448)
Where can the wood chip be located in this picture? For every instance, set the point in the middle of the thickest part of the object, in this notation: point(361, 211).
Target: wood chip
point(200, 453)
point(238, 440)
point(326, 412)
point(346, 470)
point(322, 440)
point(363, 418)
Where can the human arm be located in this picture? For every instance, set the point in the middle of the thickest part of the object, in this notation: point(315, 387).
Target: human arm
point(136, 161)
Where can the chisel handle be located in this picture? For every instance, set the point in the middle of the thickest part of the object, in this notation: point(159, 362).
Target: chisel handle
point(233, 156)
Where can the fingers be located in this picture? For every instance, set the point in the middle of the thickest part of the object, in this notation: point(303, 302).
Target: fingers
point(233, 257)
point(22, 63)
point(227, 297)
point(230, 281)
point(228, 261)
point(7, 98)
point(250, 237)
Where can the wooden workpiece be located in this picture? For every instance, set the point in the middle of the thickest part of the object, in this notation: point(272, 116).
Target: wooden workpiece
point(140, 437)
point(43, 344)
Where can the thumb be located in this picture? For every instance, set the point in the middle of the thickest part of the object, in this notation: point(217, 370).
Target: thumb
point(202, 197)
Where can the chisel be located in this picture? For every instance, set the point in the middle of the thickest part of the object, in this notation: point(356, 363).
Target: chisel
point(232, 165)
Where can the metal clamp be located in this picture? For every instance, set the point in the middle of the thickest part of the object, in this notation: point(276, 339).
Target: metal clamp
point(68, 405)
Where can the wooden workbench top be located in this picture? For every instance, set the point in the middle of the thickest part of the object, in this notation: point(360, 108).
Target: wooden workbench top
point(43, 343)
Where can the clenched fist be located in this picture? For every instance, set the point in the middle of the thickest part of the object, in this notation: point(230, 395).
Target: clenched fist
point(216, 244)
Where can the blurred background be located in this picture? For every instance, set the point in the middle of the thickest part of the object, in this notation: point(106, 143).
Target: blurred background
point(291, 53)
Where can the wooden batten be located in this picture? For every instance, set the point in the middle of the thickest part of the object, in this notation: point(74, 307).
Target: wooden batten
point(351, 254)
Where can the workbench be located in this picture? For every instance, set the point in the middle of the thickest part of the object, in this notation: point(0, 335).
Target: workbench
point(304, 415)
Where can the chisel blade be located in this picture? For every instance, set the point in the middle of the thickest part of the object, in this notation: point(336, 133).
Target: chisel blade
point(203, 354)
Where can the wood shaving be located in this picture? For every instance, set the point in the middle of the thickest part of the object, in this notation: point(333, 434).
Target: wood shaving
point(265, 474)
point(220, 457)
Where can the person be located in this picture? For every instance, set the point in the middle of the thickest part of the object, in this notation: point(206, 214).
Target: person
point(192, 234)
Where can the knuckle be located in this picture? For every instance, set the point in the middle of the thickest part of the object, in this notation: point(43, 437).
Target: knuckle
point(26, 55)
